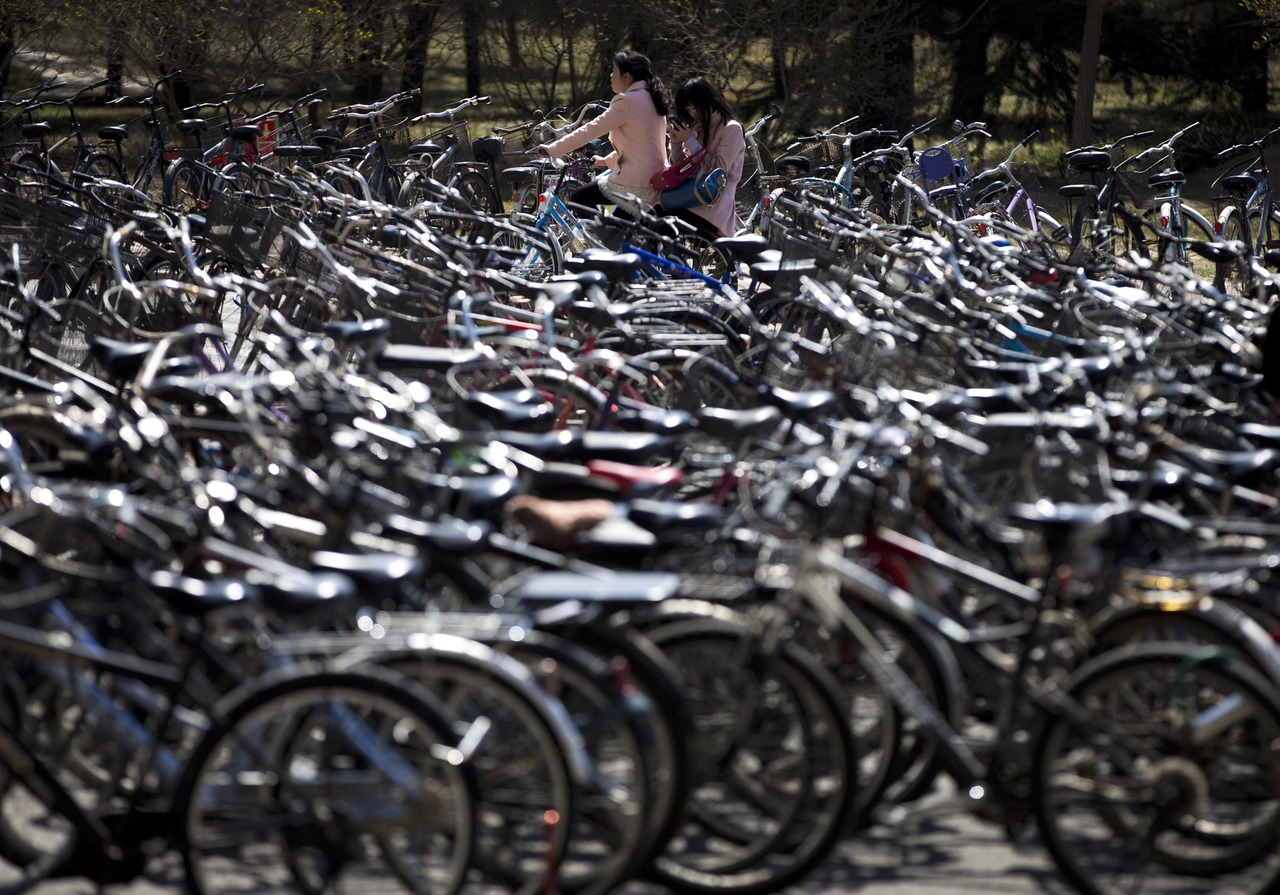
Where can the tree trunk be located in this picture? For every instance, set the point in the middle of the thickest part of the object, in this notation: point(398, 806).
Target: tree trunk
point(1087, 78)
point(421, 19)
point(472, 27)
point(115, 71)
point(969, 61)
point(366, 85)
point(7, 50)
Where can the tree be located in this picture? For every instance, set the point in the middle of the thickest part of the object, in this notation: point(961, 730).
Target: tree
point(1087, 79)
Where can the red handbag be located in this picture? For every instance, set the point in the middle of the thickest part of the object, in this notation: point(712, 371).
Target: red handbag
point(675, 175)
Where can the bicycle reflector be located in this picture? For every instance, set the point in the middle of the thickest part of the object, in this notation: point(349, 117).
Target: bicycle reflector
point(766, 201)
point(1217, 228)
point(1164, 221)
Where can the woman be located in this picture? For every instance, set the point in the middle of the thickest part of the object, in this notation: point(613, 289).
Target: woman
point(706, 119)
point(636, 125)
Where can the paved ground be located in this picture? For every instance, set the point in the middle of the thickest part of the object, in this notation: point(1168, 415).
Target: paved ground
point(954, 855)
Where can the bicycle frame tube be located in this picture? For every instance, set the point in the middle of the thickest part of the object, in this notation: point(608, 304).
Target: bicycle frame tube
point(666, 265)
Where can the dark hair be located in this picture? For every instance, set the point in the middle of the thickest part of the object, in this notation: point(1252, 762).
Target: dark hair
point(703, 96)
point(636, 64)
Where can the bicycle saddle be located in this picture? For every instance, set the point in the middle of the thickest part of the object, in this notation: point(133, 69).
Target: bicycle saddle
point(372, 570)
point(618, 587)
point(194, 597)
point(488, 149)
point(1089, 162)
point(358, 332)
point(511, 409)
point(1241, 184)
point(798, 404)
point(738, 422)
point(455, 537)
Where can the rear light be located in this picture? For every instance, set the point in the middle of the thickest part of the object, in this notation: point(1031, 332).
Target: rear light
point(1164, 220)
point(1217, 227)
point(765, 202)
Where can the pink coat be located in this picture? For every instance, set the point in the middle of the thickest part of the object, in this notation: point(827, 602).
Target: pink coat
point(636, 130)
point(728, 150)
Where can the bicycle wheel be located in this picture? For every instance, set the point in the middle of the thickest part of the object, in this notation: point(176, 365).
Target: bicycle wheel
point(531, 253)
point(33, 174)
point(101, 166)
point(612, 827)
point(1229, 277)
point(578, 404)
point(524, 800)
point(897, 759)
point(646, 691)
point(1186, 224)
point(773, 764)
point(680, 379)
point(478, 193)
point(1161, 774)
point(327, 781)
point(187, 187)
point(37, 838)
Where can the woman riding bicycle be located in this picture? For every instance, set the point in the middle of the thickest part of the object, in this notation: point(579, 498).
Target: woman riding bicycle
point(636, 125)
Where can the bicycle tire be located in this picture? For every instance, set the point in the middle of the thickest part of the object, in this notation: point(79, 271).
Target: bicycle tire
point(33, 172)
point(100, 166)
point(652, 698)
point(524, 798)
point(187, 187)
point(606, 687)
point(578, 404)
point(773, 778)
point(37, 840)
point(898, 760)
point(1228, 276)
point(536, 257)
point(235, 177)
point(681, 379)
point(273, 793)
point(477, 192)
point(1123, 788)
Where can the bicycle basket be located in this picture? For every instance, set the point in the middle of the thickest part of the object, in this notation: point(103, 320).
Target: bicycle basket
point(1027, 178)
point(247, 232)
point(455, 133)
point(69, 233)
point(1134, 179)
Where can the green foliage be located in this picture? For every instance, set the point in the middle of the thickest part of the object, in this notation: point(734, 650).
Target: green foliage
point(821, 60)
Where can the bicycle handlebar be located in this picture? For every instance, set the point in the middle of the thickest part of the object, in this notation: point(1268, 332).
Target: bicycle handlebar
point(1107, 147)
point(1241, 147)
point(755, 128)
point(365, 110)
point(449, 113)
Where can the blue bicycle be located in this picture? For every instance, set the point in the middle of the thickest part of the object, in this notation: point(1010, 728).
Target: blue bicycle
point(639, 249)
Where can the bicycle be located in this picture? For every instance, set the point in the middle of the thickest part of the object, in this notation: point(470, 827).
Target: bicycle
point(1178, 222)
point(1098, 233)
point(174, 764)
point(93, 160)
point(1248, 212)
point(382, 139)
point(757, 167)
point(447, 156)
point(146, 163)
point(190, 183)
point(1023, 208)
point(944, 174)
point(1077, 769)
